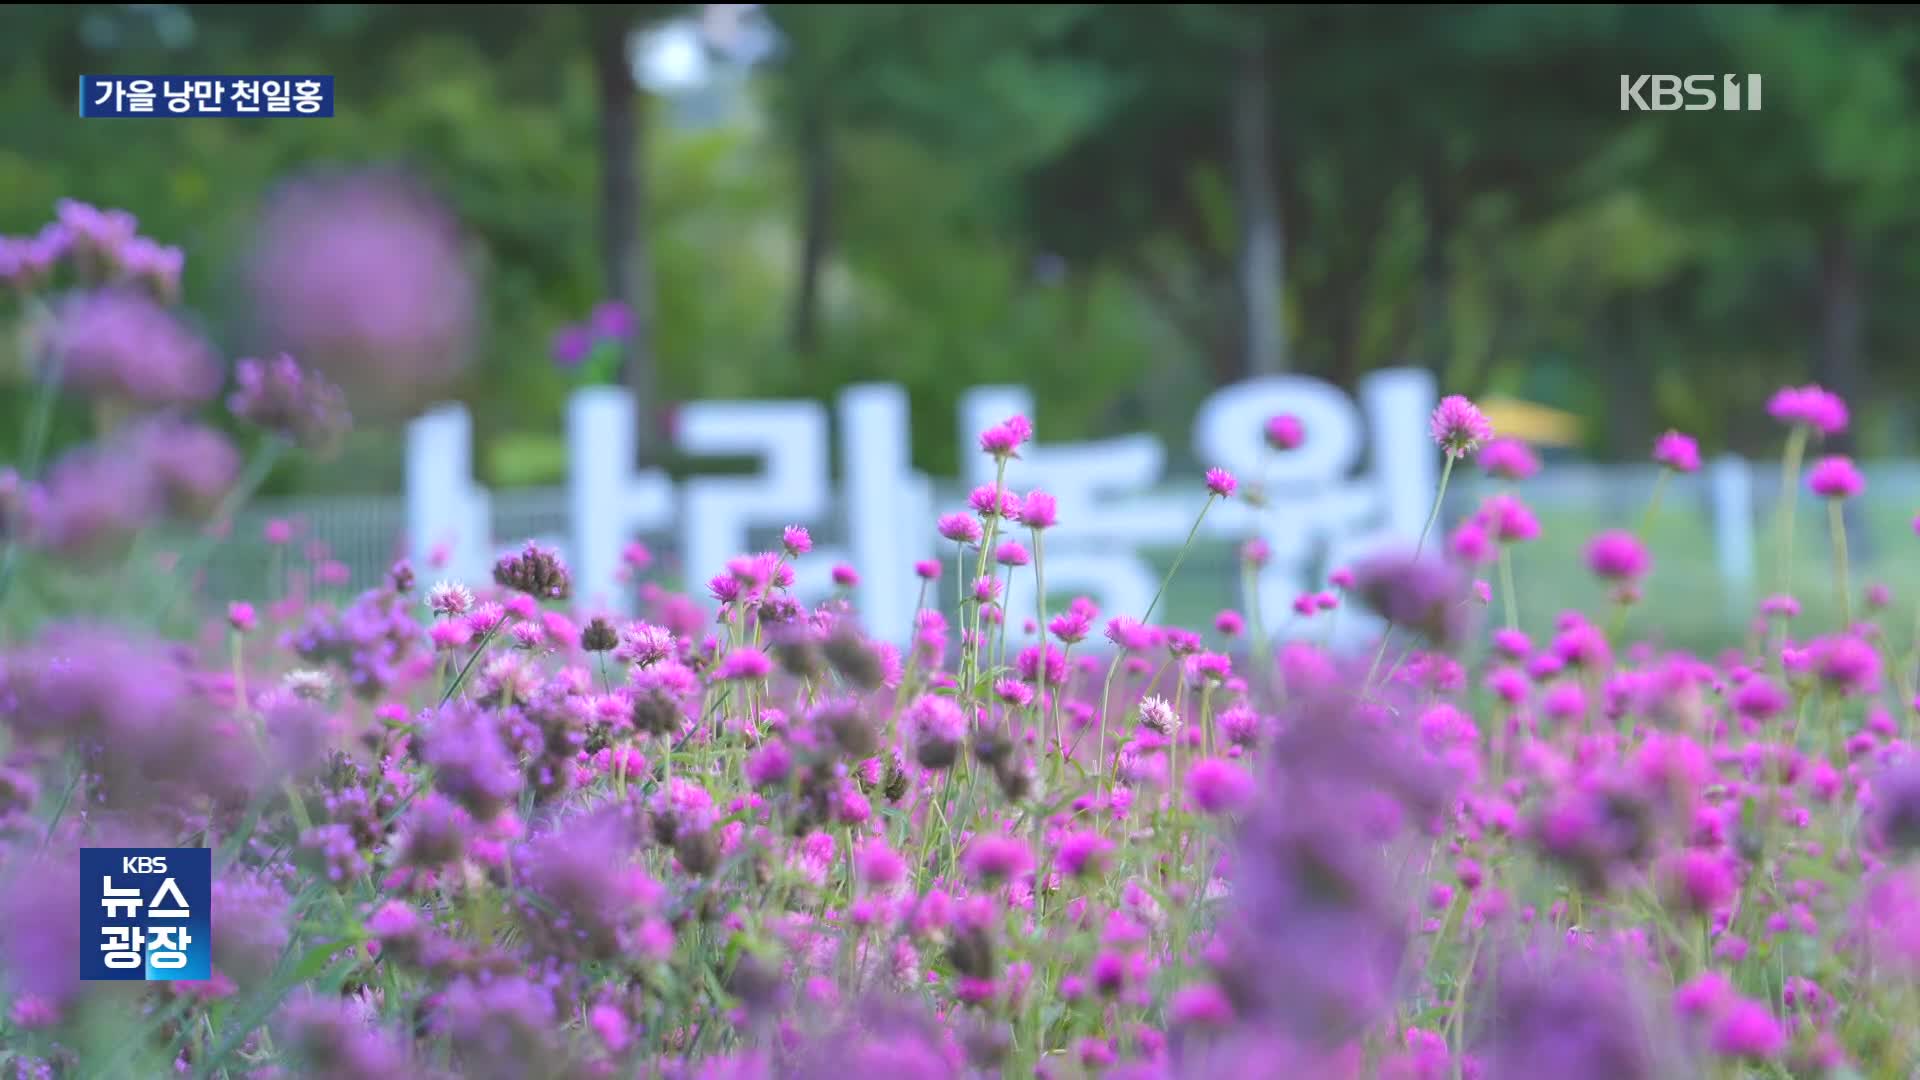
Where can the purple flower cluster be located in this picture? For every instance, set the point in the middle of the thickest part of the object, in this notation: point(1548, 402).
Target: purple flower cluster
point(486, 838)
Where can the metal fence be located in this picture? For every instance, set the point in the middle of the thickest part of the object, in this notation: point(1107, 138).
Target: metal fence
point(1713, 535)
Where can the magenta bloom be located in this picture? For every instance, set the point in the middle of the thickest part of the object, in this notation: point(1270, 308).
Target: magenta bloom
point(571, 344)
point(1618, 555)
point(1509, 459)
point(1218, 786)
point(1811, 406)
point(960, 528)
point(845, 576)
point(612, 320)
point(1284, 432)
point(1002, 440)
point(993, 858)
point(1011, 553)
point(1848, 663)
point(742, 664)
point(1747, 1029)
point(1221, 482)
point(796, 540)
point(1081, 852)
point(366, 276)
point(1699, 881)
point(1677, 452)
point(120, 344)
point(1039, 511)
point(1459, 426)
point(1835, 477)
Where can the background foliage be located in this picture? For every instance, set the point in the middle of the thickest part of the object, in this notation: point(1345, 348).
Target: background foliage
point(944, 195)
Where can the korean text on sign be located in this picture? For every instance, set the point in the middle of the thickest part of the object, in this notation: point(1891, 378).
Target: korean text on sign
point(120, 96)
point(145, 913)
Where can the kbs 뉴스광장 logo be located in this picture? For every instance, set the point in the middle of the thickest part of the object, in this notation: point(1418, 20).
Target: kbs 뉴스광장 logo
point(145, 914)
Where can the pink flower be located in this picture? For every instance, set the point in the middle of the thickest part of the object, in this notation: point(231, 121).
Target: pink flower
point(1618, 555)
point(1835, 477)
point(1229, 623)
point(1509, 519)
point(879, 866)
point(240, 616)
point(1039, 511)
point(927, 569)
point(960, 528)
point(744, 663)
point(992, 858)
point(845, 576)
point(1003, 439)
point(797, 540)
point(1218, 786)
point(279, 531)
point(1284, 432)
point(1459, 427)
point(1221, 482)
point(1747, 1029)
point(1509, 459)
point(1811, 406)
point(1677, 452)
point(1011, 553)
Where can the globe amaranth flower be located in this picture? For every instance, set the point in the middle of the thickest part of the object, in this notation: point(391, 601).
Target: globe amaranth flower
point(1811, 406)
point(1218, 786)
point(1847, 663)
point(937, 726)
point(1835, 477)
point(1677, 452)
point(1039, 511)
point(1003, 440)
point(1284, 432)
point(121, 344)
point(1509, 459)
point(364, 275)
point(1220, 482)
point(1893, 815)
point(536, 571)
point(332, 1041)
point(299, 405)
point(1619, 556)
point(960, 528)
point(1459, 427)
point(1424, 594)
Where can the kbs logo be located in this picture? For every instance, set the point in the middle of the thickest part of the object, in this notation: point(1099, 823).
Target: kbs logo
point(145, 913)
point(1693, 93)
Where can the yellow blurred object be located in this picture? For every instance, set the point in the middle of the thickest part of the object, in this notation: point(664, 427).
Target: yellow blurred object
point(1531, 423)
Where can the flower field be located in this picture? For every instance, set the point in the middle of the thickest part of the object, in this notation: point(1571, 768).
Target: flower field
point(472, 828)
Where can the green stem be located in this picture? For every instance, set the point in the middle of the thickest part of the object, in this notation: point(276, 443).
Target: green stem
point(1113, 668)
point(1789, 493)
point(1837, 522)
point(1178, 559)
point(1653, 501)
point(468, 666)
point(1512, 598)
point(1439, 496)
point(1040, 615)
